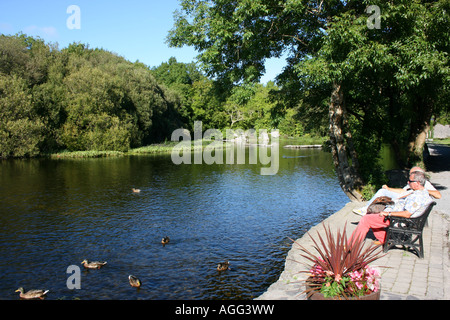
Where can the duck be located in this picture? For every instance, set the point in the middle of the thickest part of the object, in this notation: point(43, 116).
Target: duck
point(135, 190)
point(93, 264)
point(134, 281)
point(165, 240)
point(223, 266)
point(32, 294)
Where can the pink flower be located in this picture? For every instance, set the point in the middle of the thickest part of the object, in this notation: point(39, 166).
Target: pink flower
point(355, 275)
point(316, 270)
point(373, 272)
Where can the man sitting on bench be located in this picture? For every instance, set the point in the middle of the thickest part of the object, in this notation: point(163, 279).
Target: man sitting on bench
point(395, 193)
point(410, 206)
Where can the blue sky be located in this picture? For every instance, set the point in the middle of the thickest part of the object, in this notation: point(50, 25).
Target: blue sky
point(134, 29)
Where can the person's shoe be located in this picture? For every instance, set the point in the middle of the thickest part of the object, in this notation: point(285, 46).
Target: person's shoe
point(361, 211)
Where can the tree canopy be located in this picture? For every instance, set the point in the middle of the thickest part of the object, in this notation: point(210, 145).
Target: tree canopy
point(79, 98)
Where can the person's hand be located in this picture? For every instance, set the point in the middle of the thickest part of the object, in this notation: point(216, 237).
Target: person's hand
point(384, 214)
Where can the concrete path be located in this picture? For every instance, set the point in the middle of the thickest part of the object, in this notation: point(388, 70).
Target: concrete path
point(404, 275)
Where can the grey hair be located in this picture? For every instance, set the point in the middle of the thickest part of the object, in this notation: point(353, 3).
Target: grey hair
point(420, 177)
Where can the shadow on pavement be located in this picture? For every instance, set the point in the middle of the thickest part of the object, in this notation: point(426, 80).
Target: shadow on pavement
point(438, 159)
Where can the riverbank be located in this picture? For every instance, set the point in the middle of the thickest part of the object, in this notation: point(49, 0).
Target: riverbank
point(165, 147)
point(405, 276)
point(168, 146)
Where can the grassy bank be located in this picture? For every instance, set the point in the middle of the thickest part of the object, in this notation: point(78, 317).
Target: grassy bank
point(84, 154)
point(442, 141)
point(165, 147)
point(159, 148)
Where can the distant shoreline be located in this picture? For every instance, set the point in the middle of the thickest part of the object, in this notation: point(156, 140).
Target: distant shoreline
point(157, 148)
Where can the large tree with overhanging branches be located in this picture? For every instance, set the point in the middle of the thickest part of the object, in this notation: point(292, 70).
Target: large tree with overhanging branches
point(382, 74)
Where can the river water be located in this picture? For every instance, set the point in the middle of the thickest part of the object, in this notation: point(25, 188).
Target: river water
point(56, 213)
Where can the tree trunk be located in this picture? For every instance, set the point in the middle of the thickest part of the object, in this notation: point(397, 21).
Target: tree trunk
point(415, 147)
point(342, 146)
point(420, 126)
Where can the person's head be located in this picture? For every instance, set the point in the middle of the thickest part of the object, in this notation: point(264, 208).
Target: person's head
point(417, 180)
point(415, 169)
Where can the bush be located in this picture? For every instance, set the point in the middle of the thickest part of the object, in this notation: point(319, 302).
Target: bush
point(20, 128)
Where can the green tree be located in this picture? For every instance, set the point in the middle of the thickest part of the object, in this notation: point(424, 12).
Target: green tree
point(195, 91)
point(26, 57)
point(20, 128)
point(263, 111)
point(95, 118)
point(79, 98)
point(236, 106)
point(207, 105)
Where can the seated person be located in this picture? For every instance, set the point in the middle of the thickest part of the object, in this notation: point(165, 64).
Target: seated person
point(413, 205)
point(396, 193)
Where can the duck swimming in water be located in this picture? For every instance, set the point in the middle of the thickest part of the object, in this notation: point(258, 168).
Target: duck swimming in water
point(32, 294)
point(93, 264)
point(165, 240)
point(223, 266)
point(134, 281)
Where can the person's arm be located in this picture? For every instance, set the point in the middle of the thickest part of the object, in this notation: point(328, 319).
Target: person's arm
point(398, 190)
point(403, 214)
point(435, 194)
point(432, 190)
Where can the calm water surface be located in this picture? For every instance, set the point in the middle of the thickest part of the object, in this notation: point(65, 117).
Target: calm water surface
point(55, 213)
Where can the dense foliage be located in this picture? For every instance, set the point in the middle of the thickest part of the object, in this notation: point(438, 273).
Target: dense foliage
point(80, 99)
point(244, 106)
point(77, 99)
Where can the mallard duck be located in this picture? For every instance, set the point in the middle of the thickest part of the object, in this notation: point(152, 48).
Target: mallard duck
point(223, 266)
point(93, 264)
point(135, 190)
point(165, 240)
point(32, 294)
point(134, 281)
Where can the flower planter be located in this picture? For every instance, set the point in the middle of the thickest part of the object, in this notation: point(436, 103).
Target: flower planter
point(315, 295)
point(341, 268)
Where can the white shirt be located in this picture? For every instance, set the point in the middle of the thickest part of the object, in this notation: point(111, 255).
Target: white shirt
point(427, 186)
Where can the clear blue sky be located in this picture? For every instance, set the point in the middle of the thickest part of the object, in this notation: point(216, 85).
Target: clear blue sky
point(134, 29)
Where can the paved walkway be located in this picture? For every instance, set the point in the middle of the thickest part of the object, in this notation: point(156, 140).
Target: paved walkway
point(404, 275)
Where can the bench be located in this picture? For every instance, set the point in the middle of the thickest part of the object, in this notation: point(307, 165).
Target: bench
point(407, 232)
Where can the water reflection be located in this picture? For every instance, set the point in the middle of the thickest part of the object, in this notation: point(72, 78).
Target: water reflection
point(55, 213)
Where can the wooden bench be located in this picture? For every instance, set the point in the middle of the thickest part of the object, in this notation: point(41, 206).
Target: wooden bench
point(407, 232)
